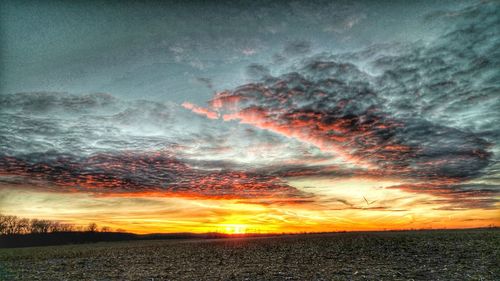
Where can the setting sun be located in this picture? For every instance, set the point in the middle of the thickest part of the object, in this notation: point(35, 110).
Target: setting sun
point(235, 229)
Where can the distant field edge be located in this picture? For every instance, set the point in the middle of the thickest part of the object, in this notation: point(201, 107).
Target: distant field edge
point(65, 238)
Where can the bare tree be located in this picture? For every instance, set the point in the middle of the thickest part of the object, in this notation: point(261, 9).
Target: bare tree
point(54, 226)
point(40, 226)
point(66, 227)
point(22, 226)
point(15, 225)
point(92, 227)
point(105, 229)
point(8, 224)
point(80, 228)
point(2, 224)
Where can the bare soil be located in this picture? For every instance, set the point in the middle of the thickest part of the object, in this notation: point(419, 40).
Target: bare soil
point(410, 255)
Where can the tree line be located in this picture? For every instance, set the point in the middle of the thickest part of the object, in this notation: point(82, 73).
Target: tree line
point(10, 225)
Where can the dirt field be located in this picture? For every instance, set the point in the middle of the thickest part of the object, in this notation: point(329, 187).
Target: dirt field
point(429, 255)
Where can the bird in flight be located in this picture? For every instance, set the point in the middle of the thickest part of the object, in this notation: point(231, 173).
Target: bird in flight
point(369, 203)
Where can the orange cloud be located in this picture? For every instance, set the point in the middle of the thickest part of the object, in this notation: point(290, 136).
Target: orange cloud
point(200, 110)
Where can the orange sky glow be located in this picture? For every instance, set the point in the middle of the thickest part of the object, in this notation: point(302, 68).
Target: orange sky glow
point(342, 208)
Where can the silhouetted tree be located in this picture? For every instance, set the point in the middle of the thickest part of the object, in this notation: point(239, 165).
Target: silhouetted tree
point(22, 226)
point(15, 225)
point(40, 226)
point(66, 227)
point(8, 224)
point(54, 226)
point(92, 227)
point(105, 229)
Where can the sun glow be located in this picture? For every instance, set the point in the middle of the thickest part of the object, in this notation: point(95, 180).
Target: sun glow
point(340, 209)
point(235, 229)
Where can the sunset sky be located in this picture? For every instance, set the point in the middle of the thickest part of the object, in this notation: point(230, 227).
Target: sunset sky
point(251, 116)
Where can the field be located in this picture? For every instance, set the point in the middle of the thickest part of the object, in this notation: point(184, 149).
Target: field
point(417, 255)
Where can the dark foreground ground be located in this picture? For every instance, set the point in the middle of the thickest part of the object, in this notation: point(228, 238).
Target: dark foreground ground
point(422, 255)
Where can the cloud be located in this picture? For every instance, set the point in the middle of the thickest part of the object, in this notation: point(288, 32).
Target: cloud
point(130, 173)
point(425, 111)
point(102, 145)
point(456, 196)
point(349, 120)
point(200, 110)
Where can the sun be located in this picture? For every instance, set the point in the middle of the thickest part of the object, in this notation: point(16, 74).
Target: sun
point(235, 229)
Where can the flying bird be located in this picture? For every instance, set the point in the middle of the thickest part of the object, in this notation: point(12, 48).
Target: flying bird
point(369, 203)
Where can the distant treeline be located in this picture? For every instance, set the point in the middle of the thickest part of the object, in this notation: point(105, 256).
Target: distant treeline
point(23, 232)
point(11, 225)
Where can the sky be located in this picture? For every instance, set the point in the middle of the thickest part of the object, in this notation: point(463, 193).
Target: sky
point(251, 116)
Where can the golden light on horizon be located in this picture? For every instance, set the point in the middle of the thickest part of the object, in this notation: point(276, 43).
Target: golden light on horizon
point(237, 216)
point(234, 229)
